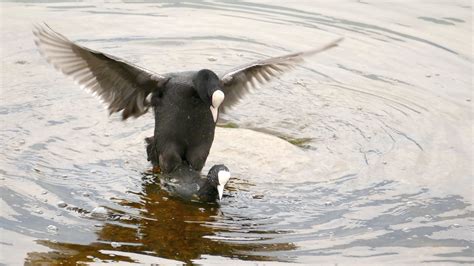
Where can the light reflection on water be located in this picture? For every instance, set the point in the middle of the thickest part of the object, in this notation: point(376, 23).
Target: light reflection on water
point(380, 169)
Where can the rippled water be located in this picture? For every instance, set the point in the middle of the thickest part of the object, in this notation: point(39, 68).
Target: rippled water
point(362, 155)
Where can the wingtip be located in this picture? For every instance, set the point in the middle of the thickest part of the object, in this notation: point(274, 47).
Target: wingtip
point(328, 46)
point(39, 26)
point(36, 29)
point(334, 43)
point(44, 28)
point(338, 41)
point(48, 27)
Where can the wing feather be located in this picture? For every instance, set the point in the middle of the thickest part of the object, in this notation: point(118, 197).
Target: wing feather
point(122, 85)
point(239, 81)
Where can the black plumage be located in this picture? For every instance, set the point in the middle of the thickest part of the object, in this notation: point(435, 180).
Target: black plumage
point(185, 104)
point(188, 184)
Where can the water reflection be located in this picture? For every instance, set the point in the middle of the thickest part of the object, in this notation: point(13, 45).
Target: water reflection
point(294, 221)
point(170, 228)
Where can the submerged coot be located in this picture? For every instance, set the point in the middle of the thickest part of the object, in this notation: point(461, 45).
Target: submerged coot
point(186, 104)
point(188, 184)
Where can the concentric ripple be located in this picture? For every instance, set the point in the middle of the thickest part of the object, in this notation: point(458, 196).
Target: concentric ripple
point(361, 155)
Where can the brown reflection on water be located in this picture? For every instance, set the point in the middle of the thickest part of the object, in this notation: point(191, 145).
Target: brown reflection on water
point(167, 228)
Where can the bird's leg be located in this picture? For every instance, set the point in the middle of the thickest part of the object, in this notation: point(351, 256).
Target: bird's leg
point(150, 152)
point(169, 160)
point(152, 155)
point(156, 169)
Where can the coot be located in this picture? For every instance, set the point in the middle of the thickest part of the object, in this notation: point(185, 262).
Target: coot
point(186, 104)
point(186, 183)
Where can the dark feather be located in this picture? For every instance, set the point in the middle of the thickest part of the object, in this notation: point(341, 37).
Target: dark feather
point(238, 82)
point(120, 84)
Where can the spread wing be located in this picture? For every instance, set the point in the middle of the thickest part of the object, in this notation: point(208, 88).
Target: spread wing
point(120, 84)
point(237, 82)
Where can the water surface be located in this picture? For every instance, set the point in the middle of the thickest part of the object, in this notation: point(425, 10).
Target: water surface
point(362, 155)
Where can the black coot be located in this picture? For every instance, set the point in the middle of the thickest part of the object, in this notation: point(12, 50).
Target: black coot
point(186, 104)
point(186, 183)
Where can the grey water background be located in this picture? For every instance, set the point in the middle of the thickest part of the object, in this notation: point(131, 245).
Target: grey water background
point(381, 171)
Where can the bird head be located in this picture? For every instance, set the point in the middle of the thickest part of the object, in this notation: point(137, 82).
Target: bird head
point(207, 85)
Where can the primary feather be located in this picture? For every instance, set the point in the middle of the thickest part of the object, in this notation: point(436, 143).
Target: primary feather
point(238, 81)
point(120, 84)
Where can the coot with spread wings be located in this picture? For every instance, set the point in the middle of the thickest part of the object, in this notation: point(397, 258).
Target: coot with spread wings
point(186, 104)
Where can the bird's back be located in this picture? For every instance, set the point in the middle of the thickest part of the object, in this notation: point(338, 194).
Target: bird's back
point(186, 183)
point(182, 119)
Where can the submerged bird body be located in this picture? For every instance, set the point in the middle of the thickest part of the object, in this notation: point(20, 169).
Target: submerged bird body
point(186, 104)
point(186, 183)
